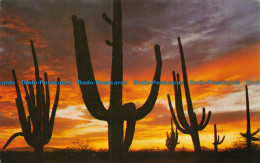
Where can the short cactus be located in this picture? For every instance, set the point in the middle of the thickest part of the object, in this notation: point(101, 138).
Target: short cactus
point(172, 139)
point(216, 139)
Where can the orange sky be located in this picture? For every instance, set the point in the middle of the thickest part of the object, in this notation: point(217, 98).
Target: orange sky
point(73, 122)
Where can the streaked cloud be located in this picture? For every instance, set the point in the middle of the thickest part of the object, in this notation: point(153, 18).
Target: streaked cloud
point(220, 40)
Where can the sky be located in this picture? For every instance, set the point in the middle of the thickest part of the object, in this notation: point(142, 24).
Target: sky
point(221, 41)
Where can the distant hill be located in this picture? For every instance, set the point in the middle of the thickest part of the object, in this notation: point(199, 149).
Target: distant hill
point(28, 149)
point(203, 148)
point(183, 149)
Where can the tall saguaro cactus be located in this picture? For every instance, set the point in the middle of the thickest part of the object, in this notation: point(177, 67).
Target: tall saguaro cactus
point(117, 112)
point(183, 125)
point(172, 139)
point(249, 137)
point(39, 132)
point(216, 139)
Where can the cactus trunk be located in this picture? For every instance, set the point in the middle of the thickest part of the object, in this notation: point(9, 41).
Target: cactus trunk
point(38, 149)
point(215, 138)
point(115, 140)
point(196, 141)
point(248, 140)
point(116, 124)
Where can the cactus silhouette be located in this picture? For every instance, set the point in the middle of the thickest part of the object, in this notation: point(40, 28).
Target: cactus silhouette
point(172, 139)
point(39, 108)
point(216, 139)
point(117, 112)
point(183, 125)
point(249, 137)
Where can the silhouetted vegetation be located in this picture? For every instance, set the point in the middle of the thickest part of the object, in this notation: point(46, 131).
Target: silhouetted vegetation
point(217, 141)
point(117, 112)
point(249, 137)
point(79, 146)
point(39, 132)
point(172, 139)
point(62, 156)
point(183, 125)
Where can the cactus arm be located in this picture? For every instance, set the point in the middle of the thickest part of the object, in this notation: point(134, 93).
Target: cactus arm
point(255, 139)
point(255, 132)
point(31, 107)
point(219, 142)
point(185, 79)
point(149, 104)
point(201, 127)
point(202, 118)
point(31, 90)
point(12, 138)
point(29, 123)
point(107, 19)
point(130, 129)
point(37, 73)
point(55, 105)
point(46, 109)
point(37, 78)
point(47, 106)
point(90, 93)
point(177, 135)
point(129, 134)
point(20, 107)
point(109, 43)
point(174, 117)
point(178, 103)
point(42, 96)
point(244, 135)
point(167, 134)
point(129, 114)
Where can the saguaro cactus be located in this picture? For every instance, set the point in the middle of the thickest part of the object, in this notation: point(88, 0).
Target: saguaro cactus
point(216, 139)
point(172, 139)
point(183, 125)
point(118, 112)
point(249, 137)
point(39, 108)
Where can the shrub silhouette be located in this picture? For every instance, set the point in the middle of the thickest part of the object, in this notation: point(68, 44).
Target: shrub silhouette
point(183, 125)
point(118, 112)
point(79, 146)
point(39, 108)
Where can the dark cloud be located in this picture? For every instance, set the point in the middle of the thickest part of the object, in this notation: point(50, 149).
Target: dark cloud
point(208, 28)
point(233, 117)
point(6, 122)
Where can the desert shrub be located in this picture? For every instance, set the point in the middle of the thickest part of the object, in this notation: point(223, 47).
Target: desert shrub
point(79, 146)
point(240, 143)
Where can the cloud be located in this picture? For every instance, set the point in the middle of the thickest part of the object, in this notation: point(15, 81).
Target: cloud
point(220, 41)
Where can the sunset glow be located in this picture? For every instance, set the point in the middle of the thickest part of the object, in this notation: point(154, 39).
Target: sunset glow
point(221, 45)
